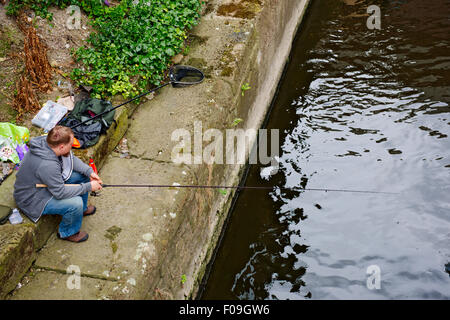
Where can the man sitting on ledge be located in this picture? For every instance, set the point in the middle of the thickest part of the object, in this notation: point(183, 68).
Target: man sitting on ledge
point(50, 161)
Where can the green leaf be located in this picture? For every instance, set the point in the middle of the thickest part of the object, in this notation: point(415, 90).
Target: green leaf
point(237, 121)
point(245, 87)
point(170, 52)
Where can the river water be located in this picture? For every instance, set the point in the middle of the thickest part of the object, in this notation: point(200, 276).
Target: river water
point(357, 109)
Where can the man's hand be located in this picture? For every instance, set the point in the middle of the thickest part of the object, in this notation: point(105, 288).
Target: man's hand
point(95, 185)
point(95, 177)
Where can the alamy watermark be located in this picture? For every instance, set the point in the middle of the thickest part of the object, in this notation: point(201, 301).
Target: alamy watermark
point(74, 280)
point(74, 20)
point(374, 20)
point(374, 279)
point(236, 144)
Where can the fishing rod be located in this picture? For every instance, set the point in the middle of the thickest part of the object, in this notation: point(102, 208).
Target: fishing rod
point(180, 77)
point(224, 187)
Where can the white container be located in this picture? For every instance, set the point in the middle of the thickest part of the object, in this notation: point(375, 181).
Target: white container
point(49, 115)
point(15, 217)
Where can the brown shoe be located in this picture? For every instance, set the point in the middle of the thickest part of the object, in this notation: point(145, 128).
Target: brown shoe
point(80, 236)
point(89, 211)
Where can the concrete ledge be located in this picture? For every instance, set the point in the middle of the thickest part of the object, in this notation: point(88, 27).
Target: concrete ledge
point(256, 52)
point(19, 243)
point(18, 247)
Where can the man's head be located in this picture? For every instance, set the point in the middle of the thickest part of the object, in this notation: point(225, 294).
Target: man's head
point(60, 140)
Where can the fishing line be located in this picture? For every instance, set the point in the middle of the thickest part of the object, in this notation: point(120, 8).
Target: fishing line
point(223, 187)
point(237, 187)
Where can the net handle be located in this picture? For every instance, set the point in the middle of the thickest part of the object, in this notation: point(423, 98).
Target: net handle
point(173, 81)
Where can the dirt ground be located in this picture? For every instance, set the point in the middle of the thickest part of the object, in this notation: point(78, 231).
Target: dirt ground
point(11, 43)
point(59, 40)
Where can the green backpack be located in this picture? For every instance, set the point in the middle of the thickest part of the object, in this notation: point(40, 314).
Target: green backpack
point(87, 108)
point(89, 134)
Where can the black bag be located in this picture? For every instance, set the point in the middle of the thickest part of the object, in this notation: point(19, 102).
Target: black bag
point(5, 212)
point(89, 133)
point(86, 134)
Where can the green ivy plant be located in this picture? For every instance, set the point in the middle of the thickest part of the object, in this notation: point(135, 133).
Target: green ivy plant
point(133, 43)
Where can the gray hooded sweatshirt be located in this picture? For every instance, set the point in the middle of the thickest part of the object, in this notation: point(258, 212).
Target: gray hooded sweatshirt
point(41, 165)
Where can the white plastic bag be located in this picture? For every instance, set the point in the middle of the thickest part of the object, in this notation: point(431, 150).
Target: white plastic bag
point(15, 217)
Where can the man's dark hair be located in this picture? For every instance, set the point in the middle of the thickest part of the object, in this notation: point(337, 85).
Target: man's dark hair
point(59, 135)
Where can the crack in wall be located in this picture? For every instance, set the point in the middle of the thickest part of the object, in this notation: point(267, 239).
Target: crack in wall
point(85, 275)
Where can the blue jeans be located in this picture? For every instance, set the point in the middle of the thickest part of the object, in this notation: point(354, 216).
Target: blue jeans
point(70, 209)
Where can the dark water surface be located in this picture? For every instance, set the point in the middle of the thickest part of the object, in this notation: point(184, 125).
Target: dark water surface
point(357, 109)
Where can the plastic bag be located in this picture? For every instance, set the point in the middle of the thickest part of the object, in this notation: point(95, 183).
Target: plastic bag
point(13, 141)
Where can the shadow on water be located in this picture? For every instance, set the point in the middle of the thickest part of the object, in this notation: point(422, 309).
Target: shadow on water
point(357, 109)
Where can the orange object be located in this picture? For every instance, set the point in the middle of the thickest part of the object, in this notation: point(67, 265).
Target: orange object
point(76, 143)
point(92, 165)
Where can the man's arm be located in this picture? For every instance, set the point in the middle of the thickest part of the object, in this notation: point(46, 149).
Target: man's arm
point(49, 174)
point(81, 167)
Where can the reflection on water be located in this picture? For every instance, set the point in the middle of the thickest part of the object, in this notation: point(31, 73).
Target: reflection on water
point(365, 110)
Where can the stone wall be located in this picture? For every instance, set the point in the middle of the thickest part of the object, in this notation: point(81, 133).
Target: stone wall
point(266, 30)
